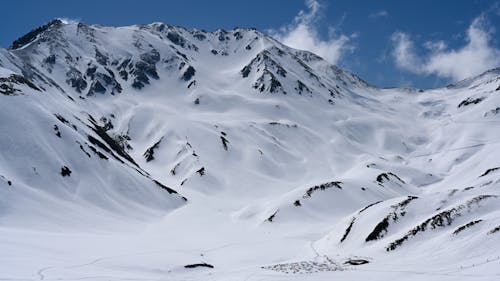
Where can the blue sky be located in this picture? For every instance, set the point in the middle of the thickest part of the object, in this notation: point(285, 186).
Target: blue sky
point(388, 43)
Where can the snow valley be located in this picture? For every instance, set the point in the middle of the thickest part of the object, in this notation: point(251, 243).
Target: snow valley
point(154, 152)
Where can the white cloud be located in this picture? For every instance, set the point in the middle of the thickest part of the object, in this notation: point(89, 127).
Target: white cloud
point(476, 56)
point(302, 34)
point(379, 14)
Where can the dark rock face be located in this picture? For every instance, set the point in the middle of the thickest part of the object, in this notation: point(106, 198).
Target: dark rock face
point(102, 82)
point(489, 171)
point(384, 177)
point(8, 84)
point(195, 265)
point(101, 58)
point(444, 218)
point(144, 69)
point(50, 59)
point(32, 35)
point(470, 101)
point(149, 154)
point(75, 79)
point(324, 186)
point(65, 171)
point(356, 261)
point(189, 73)
point(381, 228)
point(465, 226)
point(176, 38)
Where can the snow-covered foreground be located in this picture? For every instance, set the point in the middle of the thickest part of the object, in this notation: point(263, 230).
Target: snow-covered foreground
point(159, 153)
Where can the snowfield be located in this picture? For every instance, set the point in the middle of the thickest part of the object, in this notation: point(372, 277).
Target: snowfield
point(153, 152)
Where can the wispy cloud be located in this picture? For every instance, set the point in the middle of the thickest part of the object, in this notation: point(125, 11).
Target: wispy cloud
point(303, 34)
point(476, 56)
point(379, 14)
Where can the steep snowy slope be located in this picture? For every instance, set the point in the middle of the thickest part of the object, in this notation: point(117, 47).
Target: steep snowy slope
point(130, 152)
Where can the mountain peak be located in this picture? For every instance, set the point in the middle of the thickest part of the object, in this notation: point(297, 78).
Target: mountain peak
point(33, 34)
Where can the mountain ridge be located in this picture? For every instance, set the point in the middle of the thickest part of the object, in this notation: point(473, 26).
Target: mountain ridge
point(187, 144)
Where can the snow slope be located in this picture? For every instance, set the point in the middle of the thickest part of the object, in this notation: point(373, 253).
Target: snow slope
point(131, 152)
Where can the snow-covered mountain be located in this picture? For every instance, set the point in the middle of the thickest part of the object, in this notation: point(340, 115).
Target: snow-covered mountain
point(132, 152)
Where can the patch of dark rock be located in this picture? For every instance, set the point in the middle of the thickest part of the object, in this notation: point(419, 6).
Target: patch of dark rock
point(379, 230)
point(398, 210)
point(193, 83)
point(177, 39)
point(301, 87)
point(143, 70)
point(348, 230)
point(75, 79)
point(7, 87)
point(102, 156)
point(182, 55)
point(83, 149)
point(123, 74)
point(32, 35)
point(274, 123)
point(444, 218)
point(199, 36)
point(61, 118)
point(297, 203)
point(213, 51)
point(50, 59)
point(197, 101)
point(271, 218)
point(465, 226)
point(356, 262)
point(151, 57)
point(238, 35)
point(189, 73)
point(149, 153)
point(498, 88)
point(385, 177)
point(489, 171)
point(324, 186)
point(248, 47)
point(65, 171)
point(96, 87)
point(224, 142)
point(91, 70)
point(469, 101)
point(492, 112)
point(174, 169)
point(246, 71)
point(494, 230)
point(101, 58)
point(368, 206)
point(195, 265)
point(168, 189)
point(56, 131)
point(201, 171)
point(111, 142)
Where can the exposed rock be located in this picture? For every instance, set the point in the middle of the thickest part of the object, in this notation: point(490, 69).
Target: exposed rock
point(33, 34)
point(465, 226)
point(65, 171)
point(469, 101)
point(489, 171)
point(195, 265)
point(189, 73)
point(149, 153)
